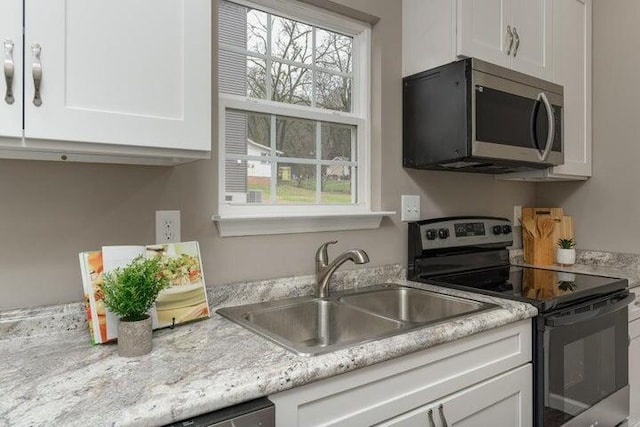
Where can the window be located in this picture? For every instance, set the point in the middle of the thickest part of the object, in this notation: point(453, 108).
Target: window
point(294, 107)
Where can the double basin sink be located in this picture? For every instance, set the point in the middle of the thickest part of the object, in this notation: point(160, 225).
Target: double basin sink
point(310, 326)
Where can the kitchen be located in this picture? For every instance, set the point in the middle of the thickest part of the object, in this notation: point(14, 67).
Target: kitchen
point(64, 208)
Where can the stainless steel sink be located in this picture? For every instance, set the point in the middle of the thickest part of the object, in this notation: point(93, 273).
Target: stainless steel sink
point(310, 326)
point(413, 305)
point(320, 323)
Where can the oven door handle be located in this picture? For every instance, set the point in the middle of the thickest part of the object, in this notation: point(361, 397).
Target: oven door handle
point(554, 321)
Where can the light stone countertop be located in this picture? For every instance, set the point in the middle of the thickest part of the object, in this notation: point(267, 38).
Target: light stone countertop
point(609, 264)
point(53, 376)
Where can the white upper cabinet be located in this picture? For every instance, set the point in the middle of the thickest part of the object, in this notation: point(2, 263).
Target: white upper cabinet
point(532, 30)
point(516, 34)
point(482, 30)
point(11, 68)
point(117, 78)
point(572, 70)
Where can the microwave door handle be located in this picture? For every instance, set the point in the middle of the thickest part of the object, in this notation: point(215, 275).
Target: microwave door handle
point(551, 119)
point(554, 321)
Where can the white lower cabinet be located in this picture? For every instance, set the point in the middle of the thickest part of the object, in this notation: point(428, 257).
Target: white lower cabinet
point(484, 379)
point(634, 361)
point(505, 400)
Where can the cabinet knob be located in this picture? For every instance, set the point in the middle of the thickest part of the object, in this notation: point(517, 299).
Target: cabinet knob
point(9, 70)
point(517, 38)
point(510, 35)
point(432, 423)
point(36, 70)
point(443, 418)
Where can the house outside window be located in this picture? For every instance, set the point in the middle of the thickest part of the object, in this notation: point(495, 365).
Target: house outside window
point(294, 110)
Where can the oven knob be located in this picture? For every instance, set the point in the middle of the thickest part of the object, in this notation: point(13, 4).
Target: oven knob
point(506, 229)
point(431, 234)
point(443, 233)
point(497, 229)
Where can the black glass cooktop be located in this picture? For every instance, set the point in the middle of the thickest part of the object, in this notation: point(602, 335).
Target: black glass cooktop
point(546, 289)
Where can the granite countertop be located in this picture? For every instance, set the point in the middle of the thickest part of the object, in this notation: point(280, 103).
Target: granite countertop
point(56, 377)
point(610, 264)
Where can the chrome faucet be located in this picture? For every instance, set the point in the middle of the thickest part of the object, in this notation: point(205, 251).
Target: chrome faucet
point(325, 270)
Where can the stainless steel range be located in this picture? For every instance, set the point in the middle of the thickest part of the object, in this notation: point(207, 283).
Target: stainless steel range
point(580, 335)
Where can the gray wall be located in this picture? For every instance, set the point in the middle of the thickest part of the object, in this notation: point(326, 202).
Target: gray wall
point(606, 208)
point(52, 211)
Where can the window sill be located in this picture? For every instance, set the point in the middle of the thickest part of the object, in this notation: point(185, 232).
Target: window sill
point(254, 225)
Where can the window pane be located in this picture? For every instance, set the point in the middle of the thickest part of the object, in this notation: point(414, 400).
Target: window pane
point(292, 84)
point(247, 133)
point(295, 138)
point(241, 75)
point(338, 141)
point(247, 182)
point(333, 92)
point(334, 51)
point(337, 184)
point(291, 40)
point(257, 31)
point(296, 184)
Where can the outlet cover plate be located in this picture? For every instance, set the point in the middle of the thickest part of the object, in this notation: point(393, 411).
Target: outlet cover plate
point(410, 208)
point(167, 226)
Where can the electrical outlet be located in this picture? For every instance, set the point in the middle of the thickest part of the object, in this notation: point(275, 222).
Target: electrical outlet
point(410, 208)
point(517, 215)
point(167, 226)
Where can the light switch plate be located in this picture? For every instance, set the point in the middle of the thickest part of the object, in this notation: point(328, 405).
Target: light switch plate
point(167, 226)
point(410, 208)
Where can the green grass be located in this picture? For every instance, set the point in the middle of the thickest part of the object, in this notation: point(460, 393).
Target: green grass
point(335, 192)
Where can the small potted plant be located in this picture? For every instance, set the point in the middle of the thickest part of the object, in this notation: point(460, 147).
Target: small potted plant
point(130, 292)
point(566, 254)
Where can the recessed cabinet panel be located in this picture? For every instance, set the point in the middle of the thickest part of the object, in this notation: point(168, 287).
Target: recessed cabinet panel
point(11, 64)
point(482, 30)
point(119, 72)
point(125, 81)
point(572, 69)
point(532, 26)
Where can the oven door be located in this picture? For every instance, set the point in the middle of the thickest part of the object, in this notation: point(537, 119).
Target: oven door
point(585, 356)
point(515, 121)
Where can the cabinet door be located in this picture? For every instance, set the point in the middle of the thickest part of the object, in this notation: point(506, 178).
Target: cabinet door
point(482, 30)
point(572, 69)
point(532, 25)
point(122, 72)
point(11, 60)
point(506, 400)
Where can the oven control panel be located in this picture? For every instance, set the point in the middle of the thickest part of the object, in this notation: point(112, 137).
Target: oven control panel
point(463, 231)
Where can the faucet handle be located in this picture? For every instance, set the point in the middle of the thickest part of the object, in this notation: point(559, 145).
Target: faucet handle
point(322, 254)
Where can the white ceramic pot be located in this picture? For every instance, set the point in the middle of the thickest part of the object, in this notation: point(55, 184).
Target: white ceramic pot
point(566, 256)
point(134, 338)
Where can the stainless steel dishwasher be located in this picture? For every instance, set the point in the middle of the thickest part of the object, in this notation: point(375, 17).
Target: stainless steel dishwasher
point(255, 413)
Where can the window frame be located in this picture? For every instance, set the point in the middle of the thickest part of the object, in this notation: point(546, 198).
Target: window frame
point(359, 117)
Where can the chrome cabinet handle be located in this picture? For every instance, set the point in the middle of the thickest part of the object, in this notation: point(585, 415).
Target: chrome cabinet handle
point(443, 418)
point(517, 37)
point(9, 70)
point(432, 423)
point(551, 119)
point(510, 34)
point(36, 69)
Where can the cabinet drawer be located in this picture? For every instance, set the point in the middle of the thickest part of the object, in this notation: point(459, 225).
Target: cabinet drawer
point(505, 400)
point(380, 392)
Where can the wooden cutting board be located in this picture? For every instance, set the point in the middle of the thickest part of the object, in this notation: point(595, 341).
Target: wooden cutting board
point(541, 249)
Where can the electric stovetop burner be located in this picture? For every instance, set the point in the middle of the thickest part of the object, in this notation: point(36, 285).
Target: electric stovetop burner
point(546, 289)
point(470, 253)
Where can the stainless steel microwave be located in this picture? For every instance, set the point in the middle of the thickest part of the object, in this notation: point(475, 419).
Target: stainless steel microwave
point(472, 116)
